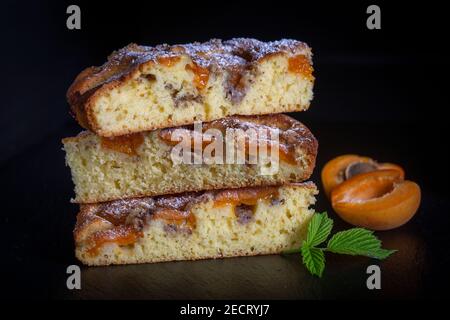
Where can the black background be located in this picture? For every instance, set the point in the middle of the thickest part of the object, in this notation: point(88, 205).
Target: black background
point(381, 93)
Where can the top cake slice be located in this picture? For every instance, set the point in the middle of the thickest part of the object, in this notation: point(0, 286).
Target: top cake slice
point(144, 88)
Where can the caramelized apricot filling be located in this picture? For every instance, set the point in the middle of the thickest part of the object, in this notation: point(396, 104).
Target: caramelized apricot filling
point(236, 80)
point(175, 216)
point(243, 201)
point(168, 61)
point(247, 196)
point(122, 235)
point(127, 144)
point(184, 135)
point(129, 217)
point(201, 75)
point(299, 64)
point(285, 153)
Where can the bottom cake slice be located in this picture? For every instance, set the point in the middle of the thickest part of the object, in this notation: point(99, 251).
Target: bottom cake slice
point(190, 226)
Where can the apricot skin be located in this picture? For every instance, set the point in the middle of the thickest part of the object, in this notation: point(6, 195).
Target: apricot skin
point(387, 165)
point(332, 172)
point(378, 200)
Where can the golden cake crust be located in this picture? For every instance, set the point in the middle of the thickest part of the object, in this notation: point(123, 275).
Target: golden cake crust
point(233, 56)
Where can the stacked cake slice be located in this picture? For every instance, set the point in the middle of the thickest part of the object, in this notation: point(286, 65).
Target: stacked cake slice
point(157, 176)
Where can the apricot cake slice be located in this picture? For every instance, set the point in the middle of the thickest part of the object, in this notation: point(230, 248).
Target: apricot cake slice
point(144, 88)
point(191, 226)
point(146, 163)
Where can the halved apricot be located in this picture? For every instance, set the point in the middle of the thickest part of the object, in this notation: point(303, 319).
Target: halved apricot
point(346, 166)
point(333, 172)
point(377, 200)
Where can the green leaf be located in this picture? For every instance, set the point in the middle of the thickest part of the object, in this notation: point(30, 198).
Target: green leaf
point(358, 241)
point(314, 260)
point(319, 229)
point(381, 253)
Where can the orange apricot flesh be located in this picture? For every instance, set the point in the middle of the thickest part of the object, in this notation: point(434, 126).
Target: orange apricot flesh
point(378, 200)
point(336, 170)
point(333, 172)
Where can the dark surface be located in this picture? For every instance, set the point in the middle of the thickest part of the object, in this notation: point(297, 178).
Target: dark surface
point(378, 93)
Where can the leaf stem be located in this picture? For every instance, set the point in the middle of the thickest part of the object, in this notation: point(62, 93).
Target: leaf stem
point(290, 251)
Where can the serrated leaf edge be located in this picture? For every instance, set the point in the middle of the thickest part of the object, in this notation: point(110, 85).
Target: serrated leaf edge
point(314, 260)
point(319, 228)
point(373, 251)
